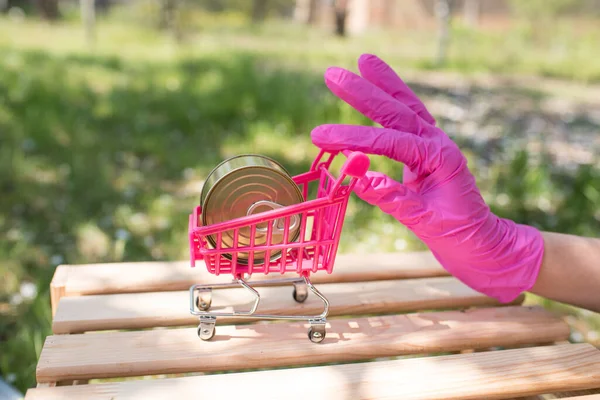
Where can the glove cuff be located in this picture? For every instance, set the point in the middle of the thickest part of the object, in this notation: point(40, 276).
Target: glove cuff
point(503, 262)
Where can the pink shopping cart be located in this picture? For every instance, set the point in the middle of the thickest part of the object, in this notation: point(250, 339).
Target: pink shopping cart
point(317, 223)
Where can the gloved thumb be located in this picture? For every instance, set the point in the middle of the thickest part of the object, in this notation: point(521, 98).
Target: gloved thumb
point(391, 197)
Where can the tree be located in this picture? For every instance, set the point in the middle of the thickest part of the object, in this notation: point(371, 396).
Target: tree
point(170, 18)
point(103, 6)
point(442, 11)
point(305, 11)
point(48, 9)
point(341, 15)
point(259, 10)
point(471, 12)
point(88, 18)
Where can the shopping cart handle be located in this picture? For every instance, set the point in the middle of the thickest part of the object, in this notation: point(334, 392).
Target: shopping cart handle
point(356, 165)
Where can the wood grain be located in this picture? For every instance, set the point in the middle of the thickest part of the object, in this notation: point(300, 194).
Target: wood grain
point(135, 353)
point(135, 277)
point(58, 286)
point(145, 310)
point(534, 397)
point(580, 394)
point(489, 375)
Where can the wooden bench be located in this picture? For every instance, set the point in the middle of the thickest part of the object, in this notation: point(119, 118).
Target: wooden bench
point(399, 327)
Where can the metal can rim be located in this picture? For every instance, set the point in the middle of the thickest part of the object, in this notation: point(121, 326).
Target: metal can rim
point(283, 173)
point(204, 194)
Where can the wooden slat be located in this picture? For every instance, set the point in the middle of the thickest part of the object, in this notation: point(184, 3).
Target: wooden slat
point(132, 277)
point(46, 384)
point(580, 394)
point(489, 375)
point(145, 310)
point(135, 353)
point(570, 395)
point(58, 286)
point(534, 397)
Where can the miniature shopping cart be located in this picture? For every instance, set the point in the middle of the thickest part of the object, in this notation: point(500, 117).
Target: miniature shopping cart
point(314, 249)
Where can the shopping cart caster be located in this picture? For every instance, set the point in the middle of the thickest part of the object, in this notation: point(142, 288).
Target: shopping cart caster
point(204, 299)
point(206, 328)
point(300, 292)
point(316, 332)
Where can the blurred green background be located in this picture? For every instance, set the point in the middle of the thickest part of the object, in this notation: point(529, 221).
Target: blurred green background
point(110, 121)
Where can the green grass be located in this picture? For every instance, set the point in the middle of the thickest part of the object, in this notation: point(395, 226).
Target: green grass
point(564, 50)
point(103, 152)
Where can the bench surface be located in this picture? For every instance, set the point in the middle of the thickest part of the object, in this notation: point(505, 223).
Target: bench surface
point(398, 327)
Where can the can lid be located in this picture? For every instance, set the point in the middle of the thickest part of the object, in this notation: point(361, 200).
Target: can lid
point(240, 160)
point(251, 190)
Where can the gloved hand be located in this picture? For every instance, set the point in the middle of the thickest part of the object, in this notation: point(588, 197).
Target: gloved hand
point(438, 200)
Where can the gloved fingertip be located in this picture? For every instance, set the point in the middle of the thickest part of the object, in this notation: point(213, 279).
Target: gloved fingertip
point(319, 130)
point(367, 57)
point(335, 78)
point(371, 62)
point(334, 74)
point(321, 136)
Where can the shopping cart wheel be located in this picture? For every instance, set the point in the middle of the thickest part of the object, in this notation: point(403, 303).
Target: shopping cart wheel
point(206, 328)
point(316, 332)
point(204, 300)
point(300, 292)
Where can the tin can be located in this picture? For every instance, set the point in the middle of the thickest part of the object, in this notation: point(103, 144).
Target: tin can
point(245, 185)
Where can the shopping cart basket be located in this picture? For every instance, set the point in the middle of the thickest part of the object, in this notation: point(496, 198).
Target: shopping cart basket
point(313, 249)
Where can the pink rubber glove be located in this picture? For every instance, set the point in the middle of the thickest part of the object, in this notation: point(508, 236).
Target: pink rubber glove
point(438, 199)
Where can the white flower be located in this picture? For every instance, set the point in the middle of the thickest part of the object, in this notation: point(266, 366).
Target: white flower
point(28, 290)
point(16, 299)
point(502, 199)
point(577, 337)
point(400, 244)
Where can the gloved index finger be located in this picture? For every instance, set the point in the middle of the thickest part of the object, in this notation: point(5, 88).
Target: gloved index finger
point(399, 146)
point(376, 71)
point(374, 103)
